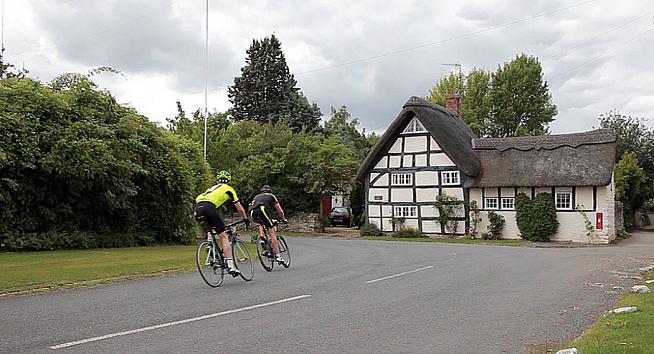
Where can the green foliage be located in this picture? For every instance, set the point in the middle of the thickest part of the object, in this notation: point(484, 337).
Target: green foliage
point(495, 226)
point(409, 232)
point(71, 158)
point(632, 187)
point(448, 209)
point(266, 90)
point(536, 218)
point(74, 239)
point(475, 220)
point(521, 102)
point(370, 230)
point(633, 136)
point(512, 101)
point(344, 126)
point(357, 203)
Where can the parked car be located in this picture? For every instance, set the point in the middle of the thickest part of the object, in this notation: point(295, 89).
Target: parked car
point(339, 215)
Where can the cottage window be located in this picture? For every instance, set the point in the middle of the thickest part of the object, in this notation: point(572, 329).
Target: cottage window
point(405, 211)
point(450, 178)
point(563, 200)
point(402, 179)
point(508, 203)
point(415, 127)
point(490, 203)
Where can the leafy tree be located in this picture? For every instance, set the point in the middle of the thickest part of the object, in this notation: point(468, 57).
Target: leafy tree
point(452, 83)
point(520, 99)
point(343, 125)
point(475, 102)
point(633, 136)
point(513, 101)
point(73, 160)
point(632, 187)
point(266, 90)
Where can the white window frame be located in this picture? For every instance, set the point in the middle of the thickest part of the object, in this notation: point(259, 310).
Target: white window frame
point(401, 179)
point(405, 211)
point(496, 207)
point(414, 127)
point(503, 199)
point(450, 178)
point(569, 200)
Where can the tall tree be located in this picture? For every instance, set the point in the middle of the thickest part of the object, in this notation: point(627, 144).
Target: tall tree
point(343, 125)
point(266, 90)
point(513, 101)
point(633, 136)
point(520, 99)
point(475, 103)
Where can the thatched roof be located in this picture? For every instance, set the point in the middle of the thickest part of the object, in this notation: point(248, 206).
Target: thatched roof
point(451, 133)
point(579, 159)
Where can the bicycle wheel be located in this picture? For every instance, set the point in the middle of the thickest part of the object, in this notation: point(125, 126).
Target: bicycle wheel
point(209, 264)
point(283, 251)
point(263, 251)
point(243, 261)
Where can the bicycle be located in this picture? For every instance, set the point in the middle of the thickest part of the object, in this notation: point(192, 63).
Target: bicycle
point(267, 254)
point(211, 262)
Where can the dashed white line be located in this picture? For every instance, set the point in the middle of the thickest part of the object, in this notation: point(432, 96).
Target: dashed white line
point(150, 328)
point(399, 274)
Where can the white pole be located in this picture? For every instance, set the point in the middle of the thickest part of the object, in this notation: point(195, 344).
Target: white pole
point(206, 75)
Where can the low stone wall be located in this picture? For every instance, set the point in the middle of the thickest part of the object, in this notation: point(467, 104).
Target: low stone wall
point(299, 222)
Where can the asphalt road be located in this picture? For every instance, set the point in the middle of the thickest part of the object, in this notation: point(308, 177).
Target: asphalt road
point(342, 296)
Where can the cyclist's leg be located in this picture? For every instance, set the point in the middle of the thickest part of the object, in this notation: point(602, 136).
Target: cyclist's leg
point(268, 223)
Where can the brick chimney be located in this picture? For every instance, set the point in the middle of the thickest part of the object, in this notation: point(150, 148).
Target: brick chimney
point(453, 102)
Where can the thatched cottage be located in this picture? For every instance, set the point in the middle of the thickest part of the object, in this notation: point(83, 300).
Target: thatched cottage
point(428, 150)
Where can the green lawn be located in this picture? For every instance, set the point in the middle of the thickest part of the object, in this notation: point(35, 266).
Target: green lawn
point(449, 240)
point(622, 333)
point(40, 271)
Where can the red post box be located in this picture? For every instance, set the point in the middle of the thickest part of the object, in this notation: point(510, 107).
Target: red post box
point(599, 221)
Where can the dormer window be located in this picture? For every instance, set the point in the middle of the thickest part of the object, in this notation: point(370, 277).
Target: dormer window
point(415, 127)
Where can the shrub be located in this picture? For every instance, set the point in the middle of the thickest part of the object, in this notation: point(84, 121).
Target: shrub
point(448, 208)
point(409, 232)
point(60, 240)
point(475, 219)
point(536, 218)
point(370, 230)
point(495, 226)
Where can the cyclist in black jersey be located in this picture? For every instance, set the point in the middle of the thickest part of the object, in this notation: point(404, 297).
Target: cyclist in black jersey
point(260, 211)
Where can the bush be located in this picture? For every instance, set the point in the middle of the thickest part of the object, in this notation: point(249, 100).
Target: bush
point(495, 227)
point(536, 218)
point(60, 240)
point(409, 232)
point(370, 230)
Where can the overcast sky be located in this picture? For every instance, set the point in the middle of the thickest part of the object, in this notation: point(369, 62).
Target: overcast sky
point(369, 55)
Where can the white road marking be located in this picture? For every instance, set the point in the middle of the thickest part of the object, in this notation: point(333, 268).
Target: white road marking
point(107, 336)
point(397, 275)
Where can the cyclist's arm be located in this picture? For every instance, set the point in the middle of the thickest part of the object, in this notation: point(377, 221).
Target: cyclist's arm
point(241, 210)
point(278, 207)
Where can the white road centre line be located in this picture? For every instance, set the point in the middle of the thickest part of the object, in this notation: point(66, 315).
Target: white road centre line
point(397, 275)
point(150, 328)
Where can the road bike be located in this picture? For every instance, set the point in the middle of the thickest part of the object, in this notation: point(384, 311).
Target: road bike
point(267, 254)
point(211, 261)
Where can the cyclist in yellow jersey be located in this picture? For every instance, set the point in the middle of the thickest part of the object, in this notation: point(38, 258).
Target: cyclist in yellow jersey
point(207, 205)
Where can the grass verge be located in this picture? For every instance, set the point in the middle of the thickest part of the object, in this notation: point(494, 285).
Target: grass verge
point(449, 240)
point(28, 272)
point(622, 333)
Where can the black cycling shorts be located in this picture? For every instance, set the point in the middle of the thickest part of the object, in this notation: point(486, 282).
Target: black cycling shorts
point(206, 212)
point(260, 216)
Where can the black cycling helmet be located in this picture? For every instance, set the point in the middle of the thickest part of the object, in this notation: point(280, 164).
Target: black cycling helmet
point(266, 189)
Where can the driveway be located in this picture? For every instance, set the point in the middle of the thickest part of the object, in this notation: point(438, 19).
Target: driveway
point(343, 296)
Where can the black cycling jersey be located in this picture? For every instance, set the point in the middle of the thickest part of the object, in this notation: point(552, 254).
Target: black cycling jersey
point(267, 200)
